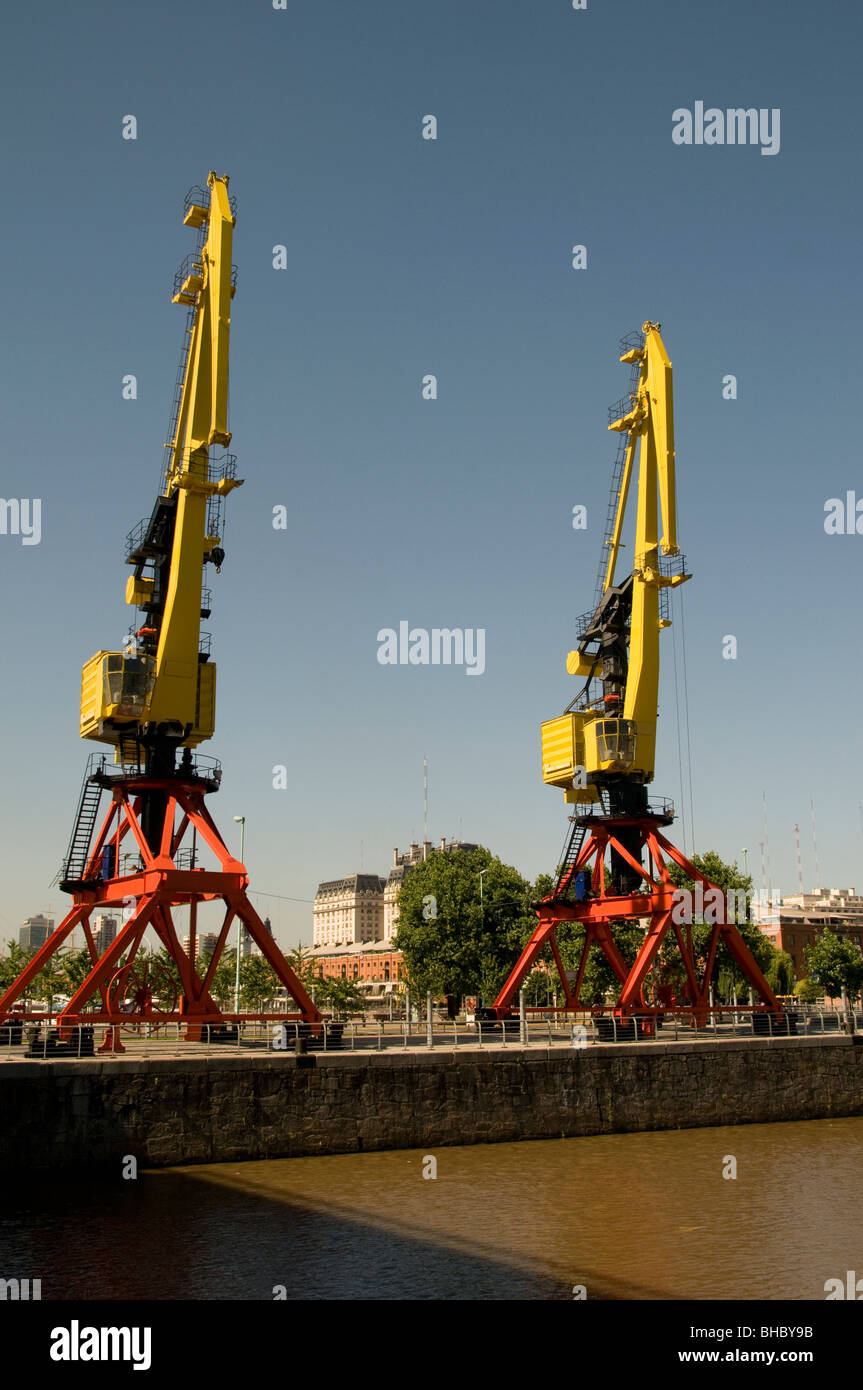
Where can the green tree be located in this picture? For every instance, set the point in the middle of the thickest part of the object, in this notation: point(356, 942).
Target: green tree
point(452, 941)
point(258, 984)
point(780, 973)
point(539, 988)
point(807, 991)
point(50, 980)
point(224, 981)
point(835, 962)
point(75, 967)
point(303, 964)
point(11, 965)
point(343, 997)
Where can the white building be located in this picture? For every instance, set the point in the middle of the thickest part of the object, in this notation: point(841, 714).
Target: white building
point(104, 931)
point(363, 908)
point(349, 910)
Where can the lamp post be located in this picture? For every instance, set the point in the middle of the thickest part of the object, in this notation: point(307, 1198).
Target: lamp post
point(482, 873)
point(241, 821)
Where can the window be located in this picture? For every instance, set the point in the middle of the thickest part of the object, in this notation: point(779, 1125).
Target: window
point(615, 739)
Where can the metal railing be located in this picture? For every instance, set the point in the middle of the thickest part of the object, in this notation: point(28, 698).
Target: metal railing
point(191, 267)
point(622, 408)
point(222, 467)
point(136, 537)
point(200, 197)
point(49, 1039)
point(635, 339)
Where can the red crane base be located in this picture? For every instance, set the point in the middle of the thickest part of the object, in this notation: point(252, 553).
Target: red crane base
point(121, 990)
point(655, 908)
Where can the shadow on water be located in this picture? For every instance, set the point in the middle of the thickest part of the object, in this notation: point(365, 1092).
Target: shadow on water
point(186, 1235)
point(633, 1216)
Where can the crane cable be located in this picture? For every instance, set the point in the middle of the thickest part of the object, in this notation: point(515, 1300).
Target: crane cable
point(683, 815)
point(688, 740)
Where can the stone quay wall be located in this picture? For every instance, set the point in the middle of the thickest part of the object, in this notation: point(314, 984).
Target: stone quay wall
point(221, 1108)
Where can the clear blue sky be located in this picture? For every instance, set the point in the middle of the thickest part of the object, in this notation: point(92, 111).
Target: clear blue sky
point(451, 257)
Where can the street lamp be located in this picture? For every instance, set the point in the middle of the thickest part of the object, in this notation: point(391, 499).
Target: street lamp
point(745, 852)
point(241, 821)
point(482, 873)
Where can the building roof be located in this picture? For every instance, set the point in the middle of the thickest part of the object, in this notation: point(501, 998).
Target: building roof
point(356, 948)
point(358, 883)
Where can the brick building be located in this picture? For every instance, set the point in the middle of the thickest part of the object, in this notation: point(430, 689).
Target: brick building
point(795, 922)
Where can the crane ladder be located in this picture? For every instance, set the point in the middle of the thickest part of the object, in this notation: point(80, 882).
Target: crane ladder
point(78, 853)
point(570, 858)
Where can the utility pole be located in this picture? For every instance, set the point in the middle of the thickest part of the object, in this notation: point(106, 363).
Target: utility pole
point(815, 846)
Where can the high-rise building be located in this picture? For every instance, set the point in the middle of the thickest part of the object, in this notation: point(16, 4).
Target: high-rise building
point(104, 930)
point(205, 945)
point(35, 931)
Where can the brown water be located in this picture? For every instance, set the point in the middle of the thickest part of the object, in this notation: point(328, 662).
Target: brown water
point(630, 1216)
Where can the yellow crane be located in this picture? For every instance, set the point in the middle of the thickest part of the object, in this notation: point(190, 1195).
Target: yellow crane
point(608, 743)
point(602, 750)
point(154, 698)
point(160, 692)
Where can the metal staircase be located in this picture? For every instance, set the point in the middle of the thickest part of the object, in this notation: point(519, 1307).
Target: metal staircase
point(74, 865)
point(570, 858)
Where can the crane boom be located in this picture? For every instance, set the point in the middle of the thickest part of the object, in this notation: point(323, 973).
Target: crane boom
point(159, 692)
point(607, 744)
